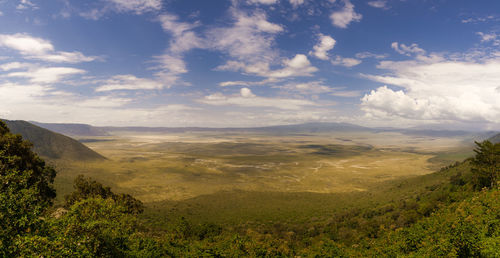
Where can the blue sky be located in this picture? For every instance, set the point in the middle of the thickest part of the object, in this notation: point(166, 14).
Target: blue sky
point(245, 63)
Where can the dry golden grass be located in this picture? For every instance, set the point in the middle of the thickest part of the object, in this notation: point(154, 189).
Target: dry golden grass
point(157, 167)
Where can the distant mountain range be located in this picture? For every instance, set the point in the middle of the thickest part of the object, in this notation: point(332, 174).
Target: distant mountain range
point(85, 130)
point(52, 145)
point(73, 129)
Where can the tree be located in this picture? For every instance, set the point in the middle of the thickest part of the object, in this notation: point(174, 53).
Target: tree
point(88, 188)
point(25, 188)
point(486, 165)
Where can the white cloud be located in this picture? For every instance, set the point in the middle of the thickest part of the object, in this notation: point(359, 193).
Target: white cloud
point(490, 37)
point(57, 106)
point(17, 93)
point(438, 89)
point(129, 82)
point(345, 61)
point(318, 87)
point(478, 19)
point(249, 40)
point(64, 57)
point(378, 4)
point(363, 55)
point(345, 16)
point(296, 3)
point(137, 6)
point(104, 102)
point(297, 66)
point(346, 93)
point(25, 4)
point(248, 99)
point(183, 38)
point(26, 44)
point(262, 1)
point(325, 44)
point(40, 49)
point(248, 83)
point(122, 6)
point(169, 69)
point(47, 74)
point(246, 93)
point(15, 66)
point(312, 87)
point(407, 50)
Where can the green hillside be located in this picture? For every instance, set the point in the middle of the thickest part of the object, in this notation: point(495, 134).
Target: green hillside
point(52, 145)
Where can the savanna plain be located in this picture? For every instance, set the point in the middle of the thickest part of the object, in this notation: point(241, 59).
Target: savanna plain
point(247, 177)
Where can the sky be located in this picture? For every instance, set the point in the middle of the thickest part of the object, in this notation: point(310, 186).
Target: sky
point(245, 63)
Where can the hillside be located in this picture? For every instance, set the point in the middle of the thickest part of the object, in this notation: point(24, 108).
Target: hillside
point(52, 145)
point(495, 138)
point(72, 129)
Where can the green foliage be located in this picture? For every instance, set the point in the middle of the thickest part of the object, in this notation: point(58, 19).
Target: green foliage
point(445, 218)
point(93, 227)
point(470, 228)
point(486, 165)
point(88, 188)
point(25, 189)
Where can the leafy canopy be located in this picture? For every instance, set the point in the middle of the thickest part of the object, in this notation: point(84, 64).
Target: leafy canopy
point(25, 188)
point(486, 165)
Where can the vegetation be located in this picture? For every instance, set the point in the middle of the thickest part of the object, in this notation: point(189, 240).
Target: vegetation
point(25, 189)
point(459, 216)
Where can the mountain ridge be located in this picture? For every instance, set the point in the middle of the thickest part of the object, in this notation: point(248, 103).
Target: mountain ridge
point(86, 130)
point(50, 144)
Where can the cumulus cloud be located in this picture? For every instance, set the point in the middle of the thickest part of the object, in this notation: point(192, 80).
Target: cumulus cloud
point(325, 44)
point(407, 50)
point(40, 49)
point(246, 93)
point(345, 16)
point(439, 89)
point(297, 66)
point(345, 61)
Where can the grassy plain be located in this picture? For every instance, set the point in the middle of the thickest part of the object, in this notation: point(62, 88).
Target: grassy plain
point(242, 177)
